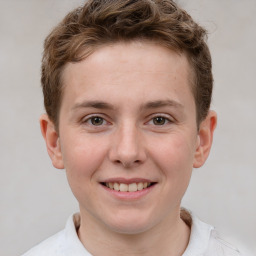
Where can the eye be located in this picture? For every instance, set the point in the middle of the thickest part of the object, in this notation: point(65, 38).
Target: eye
point(96, 121)
point(160, 120)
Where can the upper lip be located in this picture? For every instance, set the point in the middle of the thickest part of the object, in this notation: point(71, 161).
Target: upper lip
point(126, 181)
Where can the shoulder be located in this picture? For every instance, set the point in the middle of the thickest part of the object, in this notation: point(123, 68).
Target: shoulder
point(51, 246)
point(218, 246)
point(204, 239)
point(64, 243)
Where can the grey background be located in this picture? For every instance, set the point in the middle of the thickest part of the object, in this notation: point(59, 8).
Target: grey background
point(35, 198)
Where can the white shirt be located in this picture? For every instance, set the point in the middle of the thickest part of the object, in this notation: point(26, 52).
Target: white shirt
point(204, 241)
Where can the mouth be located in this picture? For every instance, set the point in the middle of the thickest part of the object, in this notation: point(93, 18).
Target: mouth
point(128, 187)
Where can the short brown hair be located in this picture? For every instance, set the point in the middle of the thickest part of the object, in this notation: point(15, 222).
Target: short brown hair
point(101, 22)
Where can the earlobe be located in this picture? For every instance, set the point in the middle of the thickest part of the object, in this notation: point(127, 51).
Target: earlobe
point(52, 141)
point(205, 138)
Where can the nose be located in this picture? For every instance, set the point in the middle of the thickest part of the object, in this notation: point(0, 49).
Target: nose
point(127, 147)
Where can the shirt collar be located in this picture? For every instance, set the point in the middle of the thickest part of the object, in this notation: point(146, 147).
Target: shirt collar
point(198, 242)
point(73, 245)
point(199, 237)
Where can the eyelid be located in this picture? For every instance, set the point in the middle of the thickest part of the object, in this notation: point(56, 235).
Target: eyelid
point(85, 119)
point(166, 116)
point(150, 118)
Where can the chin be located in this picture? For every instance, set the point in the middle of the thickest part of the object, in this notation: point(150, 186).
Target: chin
point(127, 229)
point(129, 225)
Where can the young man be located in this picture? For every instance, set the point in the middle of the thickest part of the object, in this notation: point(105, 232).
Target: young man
point(127, 89)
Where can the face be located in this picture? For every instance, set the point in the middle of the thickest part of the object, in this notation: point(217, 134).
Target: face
point(128, 137)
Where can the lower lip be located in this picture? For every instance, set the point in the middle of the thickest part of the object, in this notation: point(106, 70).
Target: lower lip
point(129, 195)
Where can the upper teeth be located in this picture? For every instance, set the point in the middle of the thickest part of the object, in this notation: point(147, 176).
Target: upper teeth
point(127, 187)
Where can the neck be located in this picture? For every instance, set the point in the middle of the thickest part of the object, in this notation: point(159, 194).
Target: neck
point(170, 237)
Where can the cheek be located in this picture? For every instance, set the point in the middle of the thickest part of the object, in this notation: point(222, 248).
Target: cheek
point(174, 159)
point(82, 157)
point(174, 156)
point(175, 151)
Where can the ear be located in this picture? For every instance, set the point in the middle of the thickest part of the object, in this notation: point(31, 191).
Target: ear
point(205, 137)
point(52, 141)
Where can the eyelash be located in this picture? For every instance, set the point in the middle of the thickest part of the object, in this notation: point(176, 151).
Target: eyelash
point(89, 120)
point(167, 120)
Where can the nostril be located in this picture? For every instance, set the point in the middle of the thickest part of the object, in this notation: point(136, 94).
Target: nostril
point(127, 164)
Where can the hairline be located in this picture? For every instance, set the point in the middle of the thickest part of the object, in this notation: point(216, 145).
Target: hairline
point(82, 55)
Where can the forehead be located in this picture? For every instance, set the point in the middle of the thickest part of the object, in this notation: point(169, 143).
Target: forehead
point(137, 67)
point(130, 58)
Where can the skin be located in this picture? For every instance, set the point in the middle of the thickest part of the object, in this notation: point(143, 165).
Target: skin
point(146, 129)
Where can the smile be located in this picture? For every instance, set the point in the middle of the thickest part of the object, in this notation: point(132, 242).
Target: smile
point(123, 187)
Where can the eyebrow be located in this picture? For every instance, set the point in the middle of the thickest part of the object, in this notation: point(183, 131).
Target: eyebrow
point(148, 105)
point(93, 104)
point(162, 103)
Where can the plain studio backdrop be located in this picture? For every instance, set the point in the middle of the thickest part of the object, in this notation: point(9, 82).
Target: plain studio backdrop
point(35, 198)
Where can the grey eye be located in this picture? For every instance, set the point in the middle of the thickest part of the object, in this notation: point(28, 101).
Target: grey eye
point(97, 120)
point(159, 120)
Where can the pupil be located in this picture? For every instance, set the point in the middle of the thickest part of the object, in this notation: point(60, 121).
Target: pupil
point(159, 120)
point(97, 121)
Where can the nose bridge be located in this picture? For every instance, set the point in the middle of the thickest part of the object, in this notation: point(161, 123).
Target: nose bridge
point(127, 147)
